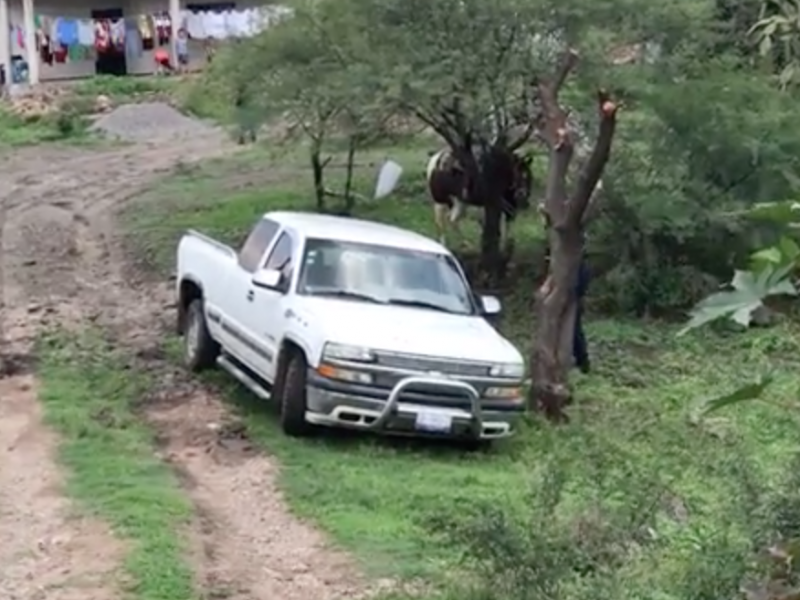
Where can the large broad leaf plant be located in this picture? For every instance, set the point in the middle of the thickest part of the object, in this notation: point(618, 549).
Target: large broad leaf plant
point(772, 272)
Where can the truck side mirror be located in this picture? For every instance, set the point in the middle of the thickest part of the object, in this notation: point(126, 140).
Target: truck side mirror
point(269, 279)
point(491, 306)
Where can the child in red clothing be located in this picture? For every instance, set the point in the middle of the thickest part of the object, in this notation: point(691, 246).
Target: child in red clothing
point(163, 65)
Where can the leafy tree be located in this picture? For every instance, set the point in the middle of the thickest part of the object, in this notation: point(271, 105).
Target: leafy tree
point(777, 36)
point(298, 73)
point(463, 68)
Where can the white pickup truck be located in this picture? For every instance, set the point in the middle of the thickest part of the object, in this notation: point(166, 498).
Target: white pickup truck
point(349, 323)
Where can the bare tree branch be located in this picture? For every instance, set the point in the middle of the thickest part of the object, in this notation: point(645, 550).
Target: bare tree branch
point(555, 119)
point(554, 130)
point(568, 63)
point(593, 169)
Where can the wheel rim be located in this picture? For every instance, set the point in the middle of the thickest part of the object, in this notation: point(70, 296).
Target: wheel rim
point(192, 338)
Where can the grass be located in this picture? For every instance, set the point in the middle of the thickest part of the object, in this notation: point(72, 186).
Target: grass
point(89, 398)
point(124, 88)
point(636, 452)
point(16, 131)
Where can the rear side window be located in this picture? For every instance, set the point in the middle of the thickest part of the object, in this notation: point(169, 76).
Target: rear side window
point(256, 244)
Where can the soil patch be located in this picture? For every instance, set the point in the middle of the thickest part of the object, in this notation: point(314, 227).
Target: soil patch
point(46, 552)
point(63, 261)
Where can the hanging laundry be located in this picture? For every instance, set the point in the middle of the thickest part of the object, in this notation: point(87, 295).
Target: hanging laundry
point(234, 26)
point(145, 25)
point(50, 28)
point(67, 32)
point(60, 54)
point(133, 39)
point(194, 25)
point(102, 35)
point(215, 25)
point(85, 33)
point(118, 34)
point(19, 36)
point(77, 53)
point(163, 26)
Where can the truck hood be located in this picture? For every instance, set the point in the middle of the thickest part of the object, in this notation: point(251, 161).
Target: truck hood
point(408, 330)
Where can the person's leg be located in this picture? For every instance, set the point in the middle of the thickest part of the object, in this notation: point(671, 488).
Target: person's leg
point(580, 350)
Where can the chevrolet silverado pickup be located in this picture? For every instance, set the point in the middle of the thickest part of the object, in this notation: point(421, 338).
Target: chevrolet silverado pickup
point(349, 323)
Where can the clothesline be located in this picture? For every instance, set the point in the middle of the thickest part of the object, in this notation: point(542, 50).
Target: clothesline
point(65, 39)
point(220, 25)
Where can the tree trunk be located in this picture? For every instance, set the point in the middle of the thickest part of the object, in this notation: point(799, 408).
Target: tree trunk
point(349, 199)
point(563, 211)
point(317, 168)
point(491, 259)
point(553, 335)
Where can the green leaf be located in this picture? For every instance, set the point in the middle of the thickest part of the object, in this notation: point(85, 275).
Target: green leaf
point(786, 212)
point(722, 305)
point(747, 295)
point(768, 255)
point(789, 248)
point(751, 391)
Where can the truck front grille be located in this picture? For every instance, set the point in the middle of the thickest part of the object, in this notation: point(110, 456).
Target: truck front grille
point(427, 364)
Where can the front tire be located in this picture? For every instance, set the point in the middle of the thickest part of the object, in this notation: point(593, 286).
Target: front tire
point(200, 349)
point(293, 397)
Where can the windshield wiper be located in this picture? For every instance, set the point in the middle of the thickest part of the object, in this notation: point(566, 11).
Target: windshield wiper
point(346, 294)
point(418, 304)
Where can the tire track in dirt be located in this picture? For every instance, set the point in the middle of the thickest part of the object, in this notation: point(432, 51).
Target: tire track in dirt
point(63, 261)
point(46, 552)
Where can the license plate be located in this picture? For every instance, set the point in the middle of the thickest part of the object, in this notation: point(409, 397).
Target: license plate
point(434, 422)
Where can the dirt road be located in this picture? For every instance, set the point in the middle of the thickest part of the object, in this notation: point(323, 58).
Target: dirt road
point(63, 261)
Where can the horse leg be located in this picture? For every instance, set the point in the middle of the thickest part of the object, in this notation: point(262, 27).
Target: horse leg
point(506, 237)
point(440, 219)
point(455, 216)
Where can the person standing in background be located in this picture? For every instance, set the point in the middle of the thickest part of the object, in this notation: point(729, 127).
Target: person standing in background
point(182, 50)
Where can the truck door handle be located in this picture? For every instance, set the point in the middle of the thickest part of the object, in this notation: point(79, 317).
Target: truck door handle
point(250, 295)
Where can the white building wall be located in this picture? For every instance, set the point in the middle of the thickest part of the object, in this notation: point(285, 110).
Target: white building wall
point(82, 9)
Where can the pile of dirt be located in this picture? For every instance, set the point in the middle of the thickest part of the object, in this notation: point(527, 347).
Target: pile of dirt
point(34, 104)
point(148, 121)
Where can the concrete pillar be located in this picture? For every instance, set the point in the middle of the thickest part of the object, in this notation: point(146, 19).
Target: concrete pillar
point(175, 17)
point(31, 55)
point(5, 40)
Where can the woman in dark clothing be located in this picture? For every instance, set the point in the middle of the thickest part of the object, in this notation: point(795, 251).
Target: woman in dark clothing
point(580, 350)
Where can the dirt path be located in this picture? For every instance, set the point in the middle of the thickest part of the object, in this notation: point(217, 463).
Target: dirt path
point(62, 261)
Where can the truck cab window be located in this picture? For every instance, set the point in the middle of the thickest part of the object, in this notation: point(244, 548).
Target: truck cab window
point(280, 258)
point(256, 244)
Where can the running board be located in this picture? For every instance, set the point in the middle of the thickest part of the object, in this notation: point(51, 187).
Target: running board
point(243, 378)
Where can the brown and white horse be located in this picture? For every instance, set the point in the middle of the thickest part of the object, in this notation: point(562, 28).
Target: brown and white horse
point(448, 185)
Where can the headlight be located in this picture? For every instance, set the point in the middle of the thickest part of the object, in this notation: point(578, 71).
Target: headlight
point(503, 393)
point(508, 370)
point(333, 351)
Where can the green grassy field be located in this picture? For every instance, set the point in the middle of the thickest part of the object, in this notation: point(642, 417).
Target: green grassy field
point(658, 502)
point(89, 397)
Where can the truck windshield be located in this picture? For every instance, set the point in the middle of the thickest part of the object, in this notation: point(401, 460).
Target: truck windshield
point(382, 274)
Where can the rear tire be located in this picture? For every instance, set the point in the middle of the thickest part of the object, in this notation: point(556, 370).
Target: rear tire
point(293, 397)
point(200, 349)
